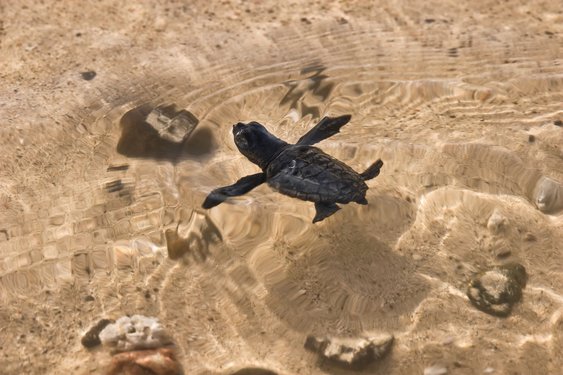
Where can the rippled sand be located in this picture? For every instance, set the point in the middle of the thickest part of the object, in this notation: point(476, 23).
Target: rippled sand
point(463, 103)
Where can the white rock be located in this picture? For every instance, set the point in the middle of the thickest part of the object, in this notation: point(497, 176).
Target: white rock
point(497, 222)
point(351, 352)
point(133, 333)
point(548, 195)
point(172, 124)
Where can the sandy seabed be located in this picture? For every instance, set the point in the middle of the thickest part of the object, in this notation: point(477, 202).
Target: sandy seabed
point(462, 101)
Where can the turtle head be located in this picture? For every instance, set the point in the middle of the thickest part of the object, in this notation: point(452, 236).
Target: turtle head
point(255, 142)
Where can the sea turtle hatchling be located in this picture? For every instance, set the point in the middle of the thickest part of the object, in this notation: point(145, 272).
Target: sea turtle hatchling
point(300, 170)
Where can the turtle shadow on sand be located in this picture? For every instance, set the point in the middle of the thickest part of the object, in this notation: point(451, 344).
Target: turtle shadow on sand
point(346, 282)
point(341, 279)
point(141, 140)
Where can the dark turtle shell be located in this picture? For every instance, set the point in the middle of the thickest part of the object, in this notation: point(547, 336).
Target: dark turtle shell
point(307, 173)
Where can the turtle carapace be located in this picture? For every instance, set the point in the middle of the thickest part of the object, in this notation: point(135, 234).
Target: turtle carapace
point(299, 170)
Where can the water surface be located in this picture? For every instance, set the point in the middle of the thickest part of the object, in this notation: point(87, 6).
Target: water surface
point(101, 217)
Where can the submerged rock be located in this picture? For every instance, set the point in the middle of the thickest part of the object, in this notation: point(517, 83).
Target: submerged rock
point(139, 344)
point(353, 353)
point(496, 222)
point(147, 362)
point(548, 195)
point(134, 333)
point(88, 75)
point(172, 124)
point(497, 290)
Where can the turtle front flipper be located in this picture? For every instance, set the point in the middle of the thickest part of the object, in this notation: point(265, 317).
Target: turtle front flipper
point(326, 128)
point(324, 210)
point(242, 186)
point(372, 171)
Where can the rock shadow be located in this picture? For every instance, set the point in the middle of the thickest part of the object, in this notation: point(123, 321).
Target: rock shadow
point(163, 133)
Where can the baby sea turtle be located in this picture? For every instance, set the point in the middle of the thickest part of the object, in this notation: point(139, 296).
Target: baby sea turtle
point(300, 170)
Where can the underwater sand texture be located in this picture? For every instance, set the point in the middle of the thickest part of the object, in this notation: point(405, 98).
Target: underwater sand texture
point(462, 101)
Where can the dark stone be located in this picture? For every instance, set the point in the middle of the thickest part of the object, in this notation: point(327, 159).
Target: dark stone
point(429, 20)
point(497, 290)
point(531, 138)
point(122, 167)
point(503, 253)
point(89, 75)
point(558, 123)
point(92, 337)
point(113, 186)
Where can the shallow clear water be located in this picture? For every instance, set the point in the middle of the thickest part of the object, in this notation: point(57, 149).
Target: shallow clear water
point(472, 179)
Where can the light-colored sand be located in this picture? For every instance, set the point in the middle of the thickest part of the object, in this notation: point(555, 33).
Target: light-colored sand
point(460, 100)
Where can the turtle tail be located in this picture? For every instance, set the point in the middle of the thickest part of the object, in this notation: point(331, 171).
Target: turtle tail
point(372, 171)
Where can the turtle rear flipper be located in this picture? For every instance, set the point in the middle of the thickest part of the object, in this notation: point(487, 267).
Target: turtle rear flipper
point(326, 128)
point(324, 210)
point(363, 201)
point(372, 171)
point(242, 186)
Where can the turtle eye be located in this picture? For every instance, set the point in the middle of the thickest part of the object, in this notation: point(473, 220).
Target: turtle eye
point(241, 141)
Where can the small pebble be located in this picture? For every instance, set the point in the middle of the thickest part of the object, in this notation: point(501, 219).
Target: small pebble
point(497, 222)
point(503, 253)
point(89, 75)
point(548, 195)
